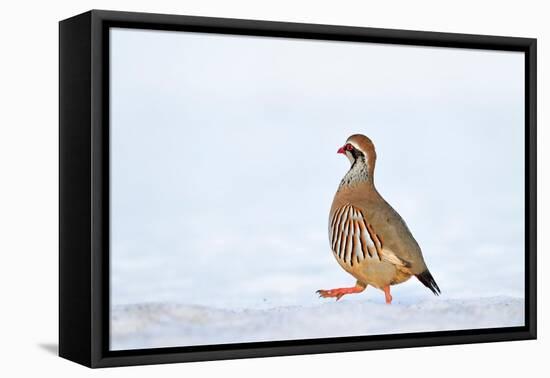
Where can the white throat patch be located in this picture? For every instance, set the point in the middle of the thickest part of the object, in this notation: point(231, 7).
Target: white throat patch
point(350, 157)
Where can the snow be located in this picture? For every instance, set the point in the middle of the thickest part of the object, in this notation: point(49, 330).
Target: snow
point(156, 325)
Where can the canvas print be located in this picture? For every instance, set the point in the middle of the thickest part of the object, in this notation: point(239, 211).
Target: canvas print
point(268, 189)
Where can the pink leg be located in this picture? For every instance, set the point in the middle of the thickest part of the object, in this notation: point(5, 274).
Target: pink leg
point(340, 292)
point(387, 294)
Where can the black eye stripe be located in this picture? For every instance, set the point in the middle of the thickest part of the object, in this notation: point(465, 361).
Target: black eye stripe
point(356, 153)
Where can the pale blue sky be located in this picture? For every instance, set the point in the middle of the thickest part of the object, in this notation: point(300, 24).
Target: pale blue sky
point(224, 164)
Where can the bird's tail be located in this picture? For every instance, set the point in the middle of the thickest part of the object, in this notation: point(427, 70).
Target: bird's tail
point(427, 280)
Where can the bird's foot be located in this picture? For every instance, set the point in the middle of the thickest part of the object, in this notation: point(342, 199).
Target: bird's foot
point(340, 292)
point(387, 294)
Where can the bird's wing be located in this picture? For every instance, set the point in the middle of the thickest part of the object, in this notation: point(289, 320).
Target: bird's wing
point(353, 238)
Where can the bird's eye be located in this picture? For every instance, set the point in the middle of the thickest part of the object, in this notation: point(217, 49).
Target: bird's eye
point(349, 147)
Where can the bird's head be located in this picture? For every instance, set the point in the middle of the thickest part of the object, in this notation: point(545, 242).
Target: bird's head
point(360, 151)
point(359, 148)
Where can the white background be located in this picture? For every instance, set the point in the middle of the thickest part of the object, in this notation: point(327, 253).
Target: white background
point(28, 194)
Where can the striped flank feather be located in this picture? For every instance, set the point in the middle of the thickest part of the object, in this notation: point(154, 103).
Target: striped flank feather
point(352, 239)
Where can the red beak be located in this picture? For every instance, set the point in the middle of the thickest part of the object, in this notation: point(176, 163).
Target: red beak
point(341, 150)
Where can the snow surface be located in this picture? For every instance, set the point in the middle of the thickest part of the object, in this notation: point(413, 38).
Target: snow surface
point(164, 325)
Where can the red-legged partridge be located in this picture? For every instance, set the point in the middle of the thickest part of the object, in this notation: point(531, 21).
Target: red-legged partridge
point(368, 238)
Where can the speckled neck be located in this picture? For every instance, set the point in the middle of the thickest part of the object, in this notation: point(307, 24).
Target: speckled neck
point(358, 173)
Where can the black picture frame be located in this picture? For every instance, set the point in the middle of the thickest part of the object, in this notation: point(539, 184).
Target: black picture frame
point(84, 187)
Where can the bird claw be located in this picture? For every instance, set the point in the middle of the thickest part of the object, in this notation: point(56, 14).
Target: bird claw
point(330, 294)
